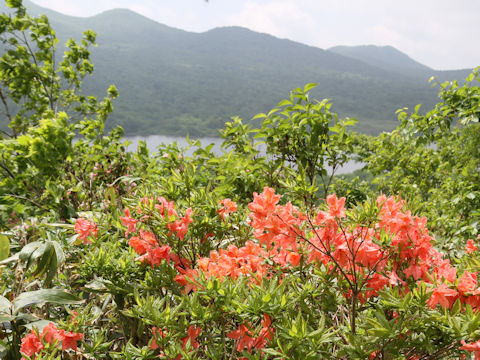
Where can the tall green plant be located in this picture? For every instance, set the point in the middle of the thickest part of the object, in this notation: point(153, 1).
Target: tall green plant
point(305, 144)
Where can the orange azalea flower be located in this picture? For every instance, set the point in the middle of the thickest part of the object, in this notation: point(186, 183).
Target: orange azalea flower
point(180, 227)
point(156, 255)
point(193, 333)
point(443, 269)
point(442, 295)
point(32, 343)
point(129, 222)
point(229, 206)
point(266, 333)
point(264, 203)
point(281, 233)
point(470, 247)
point(187, 278)
point(166, 208)
point(475, 347)
point(293, 258)
point(242, 334)
point(85, 228)
point(156, 333)
point(467, 283)
point(144, 243)
point(70, 340)
point(336, 206)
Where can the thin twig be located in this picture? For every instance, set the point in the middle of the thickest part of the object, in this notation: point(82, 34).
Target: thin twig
point(29, 200)
point(4, 167)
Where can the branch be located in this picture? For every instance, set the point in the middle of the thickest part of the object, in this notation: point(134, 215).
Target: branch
point(7, 110)
point(29, 200)
point(4, 167)
point(34, 58)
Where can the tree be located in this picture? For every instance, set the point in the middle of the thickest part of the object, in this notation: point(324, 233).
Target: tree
point(34, 84)
point(45, 108)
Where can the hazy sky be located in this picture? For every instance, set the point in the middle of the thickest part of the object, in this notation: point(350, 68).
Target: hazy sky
point(442, 34)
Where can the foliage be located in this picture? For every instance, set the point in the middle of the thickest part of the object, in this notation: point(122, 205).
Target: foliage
point(307, 136)
point(39, 157)
point(433, 161)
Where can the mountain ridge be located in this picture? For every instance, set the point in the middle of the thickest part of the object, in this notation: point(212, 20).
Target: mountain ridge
point(172, 81)
point(385, 56)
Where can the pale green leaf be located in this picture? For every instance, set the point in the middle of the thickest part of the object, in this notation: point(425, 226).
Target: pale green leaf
point(54, 296)
point(4, 247)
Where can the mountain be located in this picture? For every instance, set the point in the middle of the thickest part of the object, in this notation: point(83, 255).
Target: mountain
point(176, 82)
point(391, 59)
point(385, 57)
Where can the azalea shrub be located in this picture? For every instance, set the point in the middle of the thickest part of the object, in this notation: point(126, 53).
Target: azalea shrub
point(378, 252)
point(280, 282)
point(360, 282)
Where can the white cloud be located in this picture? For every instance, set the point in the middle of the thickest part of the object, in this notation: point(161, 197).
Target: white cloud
point(281, 18)
point(65, 7)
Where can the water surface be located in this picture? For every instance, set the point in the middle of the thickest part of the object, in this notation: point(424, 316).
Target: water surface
point(154, 141)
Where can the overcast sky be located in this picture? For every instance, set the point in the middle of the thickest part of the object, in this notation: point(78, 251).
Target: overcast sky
point(442, 34)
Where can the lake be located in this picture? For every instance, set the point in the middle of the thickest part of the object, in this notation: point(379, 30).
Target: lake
point(153, 141)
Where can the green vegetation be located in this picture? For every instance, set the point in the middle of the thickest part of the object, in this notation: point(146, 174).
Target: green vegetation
point(106, 254)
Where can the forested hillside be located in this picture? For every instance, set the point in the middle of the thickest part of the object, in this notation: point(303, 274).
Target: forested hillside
point(391, 59)
point(177, 82)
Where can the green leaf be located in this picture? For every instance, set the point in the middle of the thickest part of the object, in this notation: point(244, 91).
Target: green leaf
point(28, 250)
point(259, 116)
point(457, 306)
point(11, 259)
point(54, 296)
point(14, 3)
point(4, 247)
point(4, 304)
point(350, 122)
point(284, 103)
point(271, 112)
point(26, 317)
point(272, 352)
point(47, 254)
point(59, 252)
point(266, 298)
point(39, 325)
point(53, 264)
point(309, 86)
point(471, 196)
point(6, 318)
